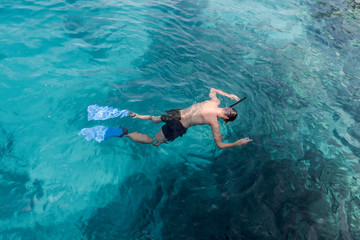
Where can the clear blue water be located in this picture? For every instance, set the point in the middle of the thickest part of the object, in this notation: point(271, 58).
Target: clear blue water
point(297, 62)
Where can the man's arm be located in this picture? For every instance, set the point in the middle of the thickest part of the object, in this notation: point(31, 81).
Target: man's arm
point(218, 138)
point(214, 91)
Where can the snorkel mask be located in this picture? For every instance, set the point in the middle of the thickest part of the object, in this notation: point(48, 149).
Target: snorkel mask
point(232, 105)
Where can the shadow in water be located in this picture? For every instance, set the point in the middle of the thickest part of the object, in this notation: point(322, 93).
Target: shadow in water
point(248, 197)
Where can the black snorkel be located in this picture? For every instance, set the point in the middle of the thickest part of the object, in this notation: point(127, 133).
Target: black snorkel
point(238, 102)
point(232, 105)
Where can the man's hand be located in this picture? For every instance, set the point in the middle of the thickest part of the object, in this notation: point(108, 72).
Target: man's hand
point(243, 141)
point(233, 97)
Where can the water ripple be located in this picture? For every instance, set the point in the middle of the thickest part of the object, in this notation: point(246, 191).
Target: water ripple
point(296, 62)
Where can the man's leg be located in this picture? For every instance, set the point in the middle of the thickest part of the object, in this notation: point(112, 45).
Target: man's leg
point(159, 138)
point(144, 138)
point(140, 137)
point(149, 117)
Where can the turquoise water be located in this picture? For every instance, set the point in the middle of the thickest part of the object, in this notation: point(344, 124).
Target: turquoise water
point(297, 62)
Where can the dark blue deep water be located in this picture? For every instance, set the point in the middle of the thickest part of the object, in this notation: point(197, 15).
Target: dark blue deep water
point(297, 61)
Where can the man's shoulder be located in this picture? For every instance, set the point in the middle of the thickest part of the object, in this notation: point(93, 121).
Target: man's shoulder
point(210, 116)
point(211, 103)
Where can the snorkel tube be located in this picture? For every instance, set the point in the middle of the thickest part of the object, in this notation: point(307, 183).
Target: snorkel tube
point(238, 102)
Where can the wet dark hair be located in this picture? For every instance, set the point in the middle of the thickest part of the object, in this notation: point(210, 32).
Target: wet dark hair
point(230, 113)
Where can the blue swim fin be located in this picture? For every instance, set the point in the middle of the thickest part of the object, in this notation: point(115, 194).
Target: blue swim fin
point(101, 133)
point(96, 112)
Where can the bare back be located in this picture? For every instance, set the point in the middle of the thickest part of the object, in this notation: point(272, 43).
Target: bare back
point(200, 114)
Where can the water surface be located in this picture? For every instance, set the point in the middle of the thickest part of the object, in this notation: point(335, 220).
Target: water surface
point(296, 61)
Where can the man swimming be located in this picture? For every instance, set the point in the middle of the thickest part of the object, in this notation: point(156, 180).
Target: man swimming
point(177, 121)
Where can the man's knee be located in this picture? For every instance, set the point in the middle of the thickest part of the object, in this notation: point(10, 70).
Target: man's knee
point(159, 142)
point(156, 119)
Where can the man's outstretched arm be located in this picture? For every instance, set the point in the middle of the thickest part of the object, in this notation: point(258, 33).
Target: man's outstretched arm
point(218, 138)
point(214, 91)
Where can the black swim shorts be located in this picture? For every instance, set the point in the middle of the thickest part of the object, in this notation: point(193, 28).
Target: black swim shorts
point(173, 128)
